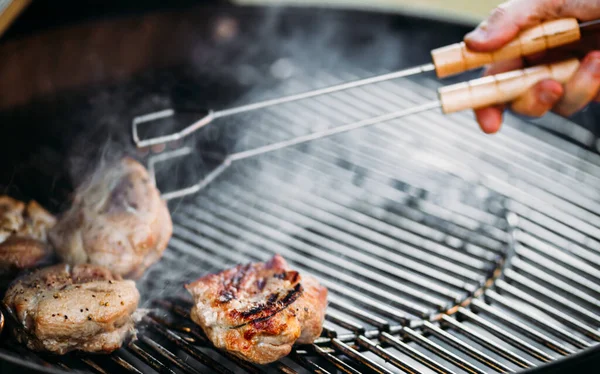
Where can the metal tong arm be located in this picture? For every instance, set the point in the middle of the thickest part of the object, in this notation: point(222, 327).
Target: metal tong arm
point(213, 115)
point(449, 60)
point(496, 89)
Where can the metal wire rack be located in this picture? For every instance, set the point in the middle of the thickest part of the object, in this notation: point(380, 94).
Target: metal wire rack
point(409, 224)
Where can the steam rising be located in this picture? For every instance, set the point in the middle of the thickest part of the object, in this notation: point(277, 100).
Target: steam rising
point(273, 59)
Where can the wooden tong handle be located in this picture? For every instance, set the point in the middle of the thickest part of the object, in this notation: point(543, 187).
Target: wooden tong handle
point(457, 58)
point(502, 88)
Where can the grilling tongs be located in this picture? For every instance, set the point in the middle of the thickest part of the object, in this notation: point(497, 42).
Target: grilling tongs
point(447, 61)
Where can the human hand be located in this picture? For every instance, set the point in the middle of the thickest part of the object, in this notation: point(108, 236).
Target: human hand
point(514, 16)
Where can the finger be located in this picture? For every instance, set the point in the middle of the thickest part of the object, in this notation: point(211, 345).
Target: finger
point(510, 18)
point(539, 99)
point(490, 119)
point(582, 88)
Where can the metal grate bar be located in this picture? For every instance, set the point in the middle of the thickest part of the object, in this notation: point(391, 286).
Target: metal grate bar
point(393, 313)
point(457, 343)
point(352, 353)
point(125, 365)
point(564, 318)
point(379, 323)
point(556, 254)
point(382, 251)
point(149, 359)
point(334, 145)
point(315, 265)
point(362, 97)
point(390, 194)
point(441, 352)
point(525, 314)
point(349, 325)
point(519, 265)
point(341, 365)
point(480, 306)
point(93, 365)
point(557, 270)
point(344, 251)
point(354, 221)
point(303, 361)
point(319, 204)
point(536, 199)
point(389, 255)
point(567, 234)
point(181, 343)
point(487, 343)
point(534, 228)
point(381, 352)
point(168, 355)
point(551, 295)
point(413, 353)
point(539, 146)
point(505, 335)
point(532, 166)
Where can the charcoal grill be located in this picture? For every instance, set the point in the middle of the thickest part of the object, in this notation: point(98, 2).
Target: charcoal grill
point(444, 250)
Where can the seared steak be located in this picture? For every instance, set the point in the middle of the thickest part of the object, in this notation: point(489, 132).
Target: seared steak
point(258, 311)
point(64, 308)
point(23, 235)
point(118, 220)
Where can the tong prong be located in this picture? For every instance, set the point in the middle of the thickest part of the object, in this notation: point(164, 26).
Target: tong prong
point(155, 116)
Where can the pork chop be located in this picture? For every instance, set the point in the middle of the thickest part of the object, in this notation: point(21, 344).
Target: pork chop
point(258, 311)
point(64, 308)
point(118, 220)
point(23, 235)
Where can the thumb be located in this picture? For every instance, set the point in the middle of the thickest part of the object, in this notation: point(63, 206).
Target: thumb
point(503, 25)
point(510, 18)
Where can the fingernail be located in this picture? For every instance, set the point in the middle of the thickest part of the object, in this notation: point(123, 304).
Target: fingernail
point(548, 97)
point(479, 35)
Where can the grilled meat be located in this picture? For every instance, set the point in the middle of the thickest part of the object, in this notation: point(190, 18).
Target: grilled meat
point(64, 308)
point(258, 311)
point(23, 235)
point(118, 220)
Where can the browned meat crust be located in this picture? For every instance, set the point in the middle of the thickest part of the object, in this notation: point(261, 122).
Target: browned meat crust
point(118, 220)
point(258, 311)
point(23, 235)
point(64, 308)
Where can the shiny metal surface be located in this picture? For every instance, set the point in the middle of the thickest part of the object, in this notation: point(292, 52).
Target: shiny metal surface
point(211, 116)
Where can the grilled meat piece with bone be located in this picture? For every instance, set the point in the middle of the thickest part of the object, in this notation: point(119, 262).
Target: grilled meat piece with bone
point(63, 308)
point(258, 311)
point(23, 235)
point(118, 220)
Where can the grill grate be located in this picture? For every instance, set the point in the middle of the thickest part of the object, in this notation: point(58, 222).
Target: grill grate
point(408, 224)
